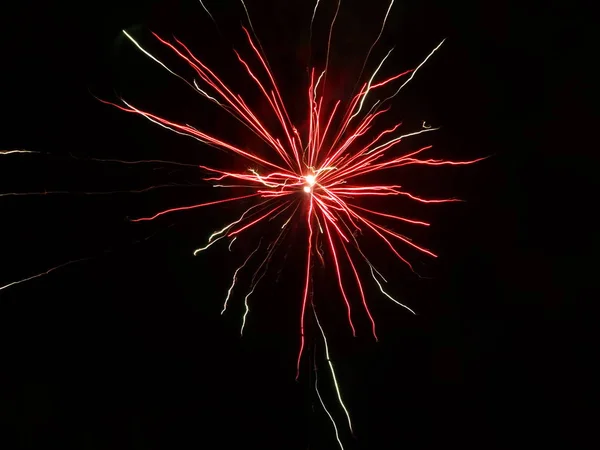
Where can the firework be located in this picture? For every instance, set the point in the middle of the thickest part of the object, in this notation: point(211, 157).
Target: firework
point(317, 176)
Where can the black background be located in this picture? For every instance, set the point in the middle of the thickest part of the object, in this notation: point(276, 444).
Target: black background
point(128, 350)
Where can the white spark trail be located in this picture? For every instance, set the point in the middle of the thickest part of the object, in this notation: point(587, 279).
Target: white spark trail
point(399, 138)
point(415, 71)
point(362, 101)
point(329, 42)
point(208, 12)
point(388, 295)
point(6, 286)
point(231, 243)
point(246, 302)
point(374, 43)
point(337, 388)
point(235, 277)
point(337, 435)
point(10, 152)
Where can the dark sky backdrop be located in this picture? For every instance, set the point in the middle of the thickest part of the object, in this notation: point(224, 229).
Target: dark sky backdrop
point(128, 350)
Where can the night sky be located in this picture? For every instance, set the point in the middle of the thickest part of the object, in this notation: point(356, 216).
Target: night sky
point(128, 349)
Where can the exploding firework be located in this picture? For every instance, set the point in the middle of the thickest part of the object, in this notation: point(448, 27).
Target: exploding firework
point(317, 176)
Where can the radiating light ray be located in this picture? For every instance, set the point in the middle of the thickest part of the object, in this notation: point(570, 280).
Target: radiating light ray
point(364, 96)
point(234, 279)
point(335, 382)
point(392, 216)
point(142, 161)
point(187, 208)
point(207, 12)
point(254, 222)
point(312, 20)
point(203, 92)
point(339, 278)
point(173, 127)
point(289, 205)
point(207, 246)
point(189, 131)
point(76, 193)
point(253, 31)
point(412, 75)
point(149, 55)
point(11, 152)
point(361, 291)
point(254, 283)
point(247, 306)
point(388, 295)
point(337, 435)
point(375, 42)
point(337, 10)
point(41, 274)
point(291, 216)
point(306, 284)
point(399, 138)
point(68, 263)
point(222, 233)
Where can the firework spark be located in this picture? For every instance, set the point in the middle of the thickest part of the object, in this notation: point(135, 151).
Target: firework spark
point(41, 274)
point(13, 152)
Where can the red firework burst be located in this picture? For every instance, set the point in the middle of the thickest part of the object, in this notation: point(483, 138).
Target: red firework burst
point(319, 176)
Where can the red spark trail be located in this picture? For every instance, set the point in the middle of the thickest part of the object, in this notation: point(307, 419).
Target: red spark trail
point(306, 285)
point(185, 208)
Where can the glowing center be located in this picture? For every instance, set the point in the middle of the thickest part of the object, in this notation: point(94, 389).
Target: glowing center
point(310, 182)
